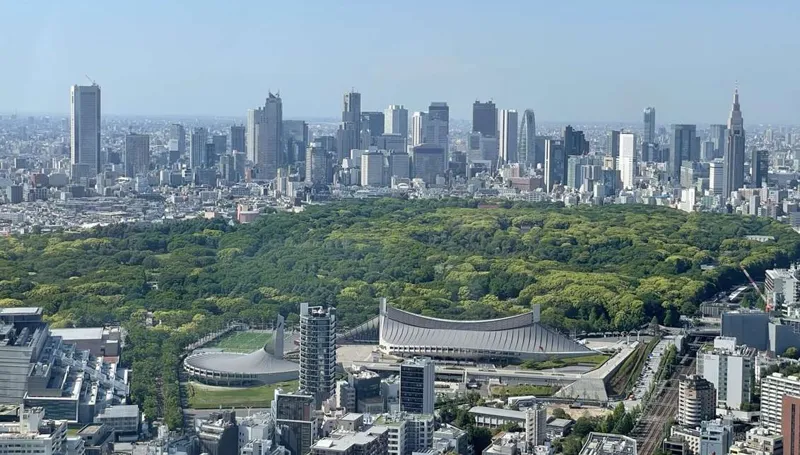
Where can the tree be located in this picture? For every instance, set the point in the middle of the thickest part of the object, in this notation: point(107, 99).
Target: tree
point(792, 353)
point(479, 438)
point(560, 413)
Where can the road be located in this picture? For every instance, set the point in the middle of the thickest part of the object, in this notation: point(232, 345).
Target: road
point(649, 431)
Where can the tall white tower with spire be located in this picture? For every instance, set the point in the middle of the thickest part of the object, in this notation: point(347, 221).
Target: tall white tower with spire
point(733, 159)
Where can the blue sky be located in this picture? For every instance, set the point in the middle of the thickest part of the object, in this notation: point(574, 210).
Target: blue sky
point(568, 60)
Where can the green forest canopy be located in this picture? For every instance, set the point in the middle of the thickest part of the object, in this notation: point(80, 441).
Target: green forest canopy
point(590, 268)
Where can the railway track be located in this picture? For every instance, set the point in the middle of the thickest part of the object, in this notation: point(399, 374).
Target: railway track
point(649, 430)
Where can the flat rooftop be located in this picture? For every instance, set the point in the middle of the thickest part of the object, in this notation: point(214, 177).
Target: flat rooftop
point(497, 412)
point(83, 333)
point(21, 311)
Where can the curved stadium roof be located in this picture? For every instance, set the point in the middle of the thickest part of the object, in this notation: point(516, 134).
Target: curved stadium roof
point(258, 366)
point(521, 336)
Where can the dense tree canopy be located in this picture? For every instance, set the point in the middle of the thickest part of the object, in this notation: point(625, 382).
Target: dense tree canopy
point(590, 268)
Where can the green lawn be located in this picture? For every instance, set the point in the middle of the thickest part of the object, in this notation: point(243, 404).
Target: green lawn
point(523, 390)
point(242, 341)
point(208, 397)
point(594, 360)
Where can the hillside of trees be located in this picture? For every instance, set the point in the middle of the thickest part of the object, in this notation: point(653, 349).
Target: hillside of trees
point(590, 268)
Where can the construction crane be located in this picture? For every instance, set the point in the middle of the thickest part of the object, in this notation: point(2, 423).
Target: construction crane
point(90, 79)
point(768, 306)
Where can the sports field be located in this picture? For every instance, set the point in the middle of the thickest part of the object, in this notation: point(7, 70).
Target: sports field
point(210, 397)
point(244, 342)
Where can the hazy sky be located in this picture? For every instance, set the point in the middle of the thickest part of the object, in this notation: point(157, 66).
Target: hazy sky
point(569, 60)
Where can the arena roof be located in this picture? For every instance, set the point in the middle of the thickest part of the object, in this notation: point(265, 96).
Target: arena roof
point(520, 336)
point(257, 362)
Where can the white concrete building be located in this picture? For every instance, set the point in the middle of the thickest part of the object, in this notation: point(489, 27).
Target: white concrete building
point(627, 159)
point(407, 432)
point(536, 425)
point(372, 169)
point(508, 128)
point(759, 441)
point(773, 388)
point(730, 369)
point(396, 120)
point(36, 435)
point(418, 126)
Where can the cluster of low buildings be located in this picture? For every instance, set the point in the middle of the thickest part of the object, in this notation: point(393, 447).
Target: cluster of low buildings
point(53, 379)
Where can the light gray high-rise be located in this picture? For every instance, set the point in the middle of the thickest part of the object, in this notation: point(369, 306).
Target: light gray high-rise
point(264, 137)
point(197, 148)
point(137, 154)
point(178, 134)
point(348, 136)
point(527, 149)
point(396, 120)
point(317, 351)
point(316, 164)
point(683, 142)
point(85, 130)
point(718, 135)
point(733, 161)
point(419, 124)
point(509, 125)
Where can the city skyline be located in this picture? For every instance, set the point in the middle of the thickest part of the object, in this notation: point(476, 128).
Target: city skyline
point(450, 73)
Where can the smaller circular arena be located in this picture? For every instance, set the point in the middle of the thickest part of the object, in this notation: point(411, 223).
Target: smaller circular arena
point(239, 370)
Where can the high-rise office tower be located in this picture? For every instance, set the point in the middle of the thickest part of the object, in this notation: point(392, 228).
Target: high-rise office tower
point(733, 160)
point(715, 171)
point(85, 130)
point(238, 134)
point(555, 163)
point(374, 122)
point(418, 125)
point(731, 369)
point(348, 136)
point(484, 118)
point(417, 386)
point(718, 135)
point(178, 134)
point(683, 141)
point(428, 162)
point(351, 111)
point(649, 136)
point(627, 159)
point(526, 146)
point(317, 351)
point(509, 125)
point(396, 120)
point(759, 167)
point(697, 401)
point(137, 154)
point(220, 142)
point(295, 140)
point(372, 169)
point(197, 148)
point(295, 422)
point(399, 165)
point(265, 136)
point(316, 164)
point(437, 125)
point(575, 142)
point(612, 144)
